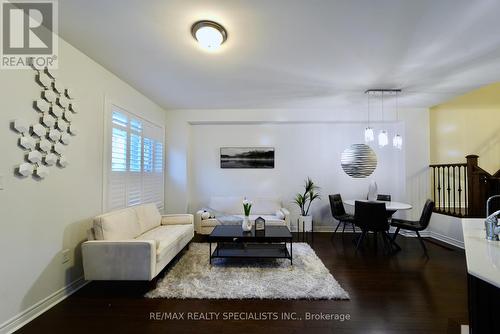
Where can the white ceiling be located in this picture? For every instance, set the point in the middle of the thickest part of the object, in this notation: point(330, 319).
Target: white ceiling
point(291, 53)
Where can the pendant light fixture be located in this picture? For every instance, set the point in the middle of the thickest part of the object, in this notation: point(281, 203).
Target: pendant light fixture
point(383, 139)
point(397, 141)
point(369, 136)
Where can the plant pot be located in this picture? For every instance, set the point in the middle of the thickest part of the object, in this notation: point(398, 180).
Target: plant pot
point(305, 223)
point(247, 224)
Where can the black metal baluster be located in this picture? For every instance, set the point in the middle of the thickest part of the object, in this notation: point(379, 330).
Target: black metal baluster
point(449, 190)
point(443, 188)
point(465, 191)
point(439, 190)
point(454, 192)
point(434, 181)
point(459, 190)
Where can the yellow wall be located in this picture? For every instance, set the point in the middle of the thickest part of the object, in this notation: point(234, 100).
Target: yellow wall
point(468, 124)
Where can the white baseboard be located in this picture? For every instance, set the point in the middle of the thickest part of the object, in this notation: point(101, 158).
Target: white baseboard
point(411, 234)
point(42, 306)
point(348, 229)
point(329, 229)
point(448, 240)
point(408, 234)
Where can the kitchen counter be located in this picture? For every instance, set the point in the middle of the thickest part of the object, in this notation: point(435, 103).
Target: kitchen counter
point(483, 277)
point(483, 256)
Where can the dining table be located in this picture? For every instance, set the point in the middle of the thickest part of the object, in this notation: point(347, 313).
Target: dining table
point(389, 206)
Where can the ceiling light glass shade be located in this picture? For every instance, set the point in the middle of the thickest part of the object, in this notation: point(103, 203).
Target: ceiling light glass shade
point(383, 139)
point(369, 136)
point(210, 35)
point(397, 142)
point(209, 38)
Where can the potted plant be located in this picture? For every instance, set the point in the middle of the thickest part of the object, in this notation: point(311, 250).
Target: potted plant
point(304, 202)
point(247, 207)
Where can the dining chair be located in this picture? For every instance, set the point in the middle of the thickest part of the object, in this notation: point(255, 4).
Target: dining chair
point(338, 212)
point(415, 226)
point(370, 216)
point(382, 197)
point(386, 198)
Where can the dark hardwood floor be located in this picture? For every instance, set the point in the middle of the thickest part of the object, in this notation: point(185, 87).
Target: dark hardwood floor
point(402, 293)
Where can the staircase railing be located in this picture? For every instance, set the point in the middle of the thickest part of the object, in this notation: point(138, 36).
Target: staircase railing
point(461, 189)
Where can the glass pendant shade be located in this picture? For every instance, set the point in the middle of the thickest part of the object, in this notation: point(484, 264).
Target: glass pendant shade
point(369, 136)
point(397, 141)
point(383, 140)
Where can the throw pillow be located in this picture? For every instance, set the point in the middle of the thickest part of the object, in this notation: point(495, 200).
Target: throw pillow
point(205, 215)
point(280, 214)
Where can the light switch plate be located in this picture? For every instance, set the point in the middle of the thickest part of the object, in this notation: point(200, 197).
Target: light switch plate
point(1, 182)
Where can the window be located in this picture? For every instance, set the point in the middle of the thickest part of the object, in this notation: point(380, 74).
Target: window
point(135, 173)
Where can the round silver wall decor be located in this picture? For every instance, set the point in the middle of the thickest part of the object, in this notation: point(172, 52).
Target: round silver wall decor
point(358, 161)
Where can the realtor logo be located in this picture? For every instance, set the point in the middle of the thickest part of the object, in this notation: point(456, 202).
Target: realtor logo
point(29, 34)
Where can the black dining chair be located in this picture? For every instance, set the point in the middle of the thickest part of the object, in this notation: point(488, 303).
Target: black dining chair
point(338, 212)
point(415, 226)
point(384, 198)
point(371, 216)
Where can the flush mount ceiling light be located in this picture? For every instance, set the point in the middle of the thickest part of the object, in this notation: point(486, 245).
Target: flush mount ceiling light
point(209, 34)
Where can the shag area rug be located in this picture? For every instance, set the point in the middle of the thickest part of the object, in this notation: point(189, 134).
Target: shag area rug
point(193, 277)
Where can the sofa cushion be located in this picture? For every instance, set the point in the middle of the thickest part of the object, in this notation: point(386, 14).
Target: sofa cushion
point(211, 222)
point(167, 237)
point(270, 219)
point(148, 215)
point(117, 225)
point(263, 206)
point(234, 205)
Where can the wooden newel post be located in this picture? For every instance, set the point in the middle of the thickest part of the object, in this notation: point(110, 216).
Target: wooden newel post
point(473, 186)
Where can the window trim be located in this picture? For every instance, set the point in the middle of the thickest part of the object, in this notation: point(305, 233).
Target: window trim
point(109, 103)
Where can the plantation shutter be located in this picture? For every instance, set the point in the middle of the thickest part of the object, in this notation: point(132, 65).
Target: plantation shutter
point(136, 162)
point(117, 188)
point(153, 165)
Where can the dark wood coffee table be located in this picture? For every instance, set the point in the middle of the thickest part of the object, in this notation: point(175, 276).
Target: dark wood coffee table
point(233, 242)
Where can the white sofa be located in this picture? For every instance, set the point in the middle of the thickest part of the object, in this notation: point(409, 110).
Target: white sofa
point(271, 209)
point(135, 243)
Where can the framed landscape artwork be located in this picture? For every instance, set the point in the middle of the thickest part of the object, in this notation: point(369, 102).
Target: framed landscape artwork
point(247, 157)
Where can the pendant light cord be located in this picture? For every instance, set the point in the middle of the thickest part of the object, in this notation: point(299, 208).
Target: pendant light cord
point(397, 108)
point(382, 107)
point(368, 109)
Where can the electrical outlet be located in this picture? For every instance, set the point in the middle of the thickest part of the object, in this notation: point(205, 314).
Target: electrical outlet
point(65, 256)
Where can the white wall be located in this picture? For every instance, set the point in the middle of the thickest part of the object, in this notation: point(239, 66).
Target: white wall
point(301, 150)
point(417, 145)
point(194, 136)
point(447, 229)
point(40, 218)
